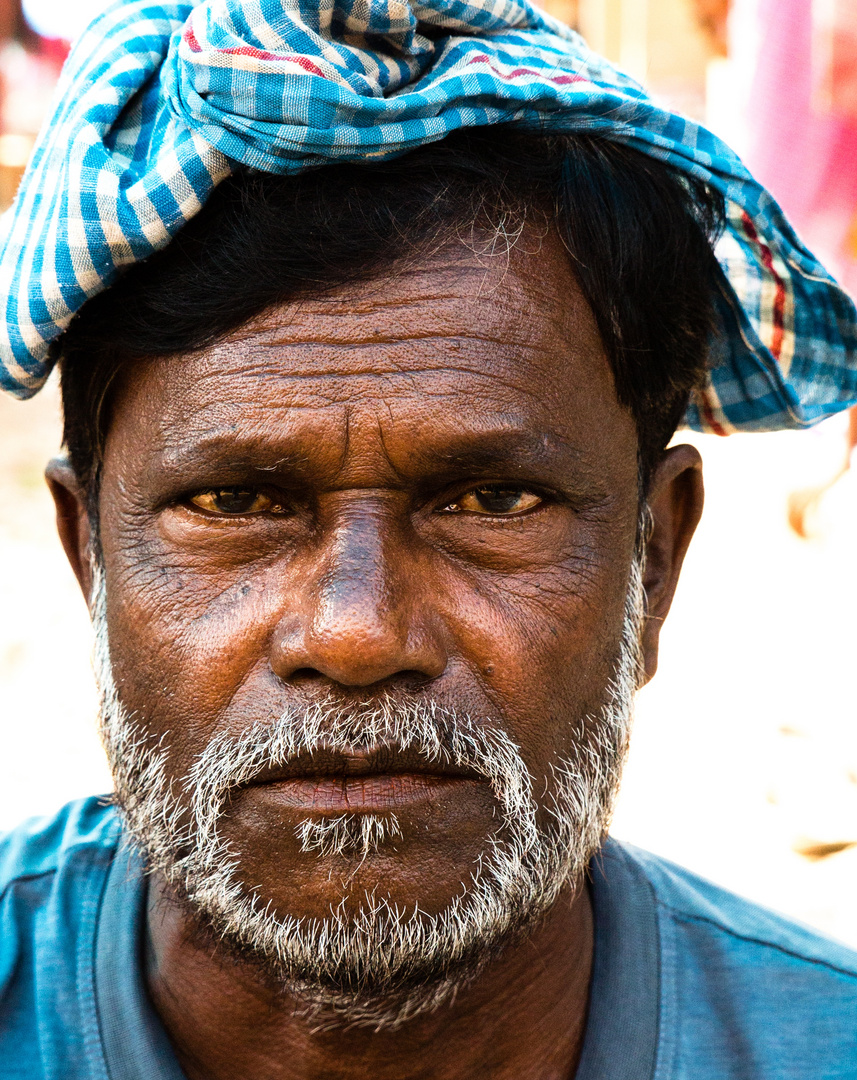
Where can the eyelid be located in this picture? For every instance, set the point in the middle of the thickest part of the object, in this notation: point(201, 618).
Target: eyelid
point(273, 503)
point(543, 497)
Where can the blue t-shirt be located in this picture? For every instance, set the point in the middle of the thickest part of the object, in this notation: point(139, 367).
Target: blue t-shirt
point(689, 982)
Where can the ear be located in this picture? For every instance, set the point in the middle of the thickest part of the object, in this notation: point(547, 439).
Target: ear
point(72, 519)
point(675, 500)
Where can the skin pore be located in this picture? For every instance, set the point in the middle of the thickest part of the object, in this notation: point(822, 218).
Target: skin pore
point(420, 486)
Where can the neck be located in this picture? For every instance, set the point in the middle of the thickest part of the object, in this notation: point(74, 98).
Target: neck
point(523, 1017)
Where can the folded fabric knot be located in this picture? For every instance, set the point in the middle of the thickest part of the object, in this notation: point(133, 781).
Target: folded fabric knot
point(308, 84)
point(161, 101)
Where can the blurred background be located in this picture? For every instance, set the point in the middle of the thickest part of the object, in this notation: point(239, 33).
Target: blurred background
point(744, 755)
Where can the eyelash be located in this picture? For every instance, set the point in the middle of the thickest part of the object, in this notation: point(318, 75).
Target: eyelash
point(540, 496)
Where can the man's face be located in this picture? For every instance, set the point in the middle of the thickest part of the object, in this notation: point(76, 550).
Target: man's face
point(415, 494)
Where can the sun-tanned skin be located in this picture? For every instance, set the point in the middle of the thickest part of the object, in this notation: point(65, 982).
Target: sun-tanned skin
point(369, 417)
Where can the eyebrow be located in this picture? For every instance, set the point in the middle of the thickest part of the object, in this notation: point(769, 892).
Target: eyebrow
point(229, 450)
point(498, 448)
point(452, 457)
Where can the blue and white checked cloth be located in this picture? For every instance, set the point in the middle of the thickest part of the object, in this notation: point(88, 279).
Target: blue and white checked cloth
point(159, 101)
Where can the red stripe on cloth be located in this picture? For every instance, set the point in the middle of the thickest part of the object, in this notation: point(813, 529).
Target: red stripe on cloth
point(249, 50)
point(558, 80)
point(260, 54)
point(190, 38)
point(257, 54)
point(780, 294)
point(707, 411)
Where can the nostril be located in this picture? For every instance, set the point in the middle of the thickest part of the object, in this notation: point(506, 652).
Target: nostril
point(410, 681)
point(307, 674)
point(403, 682)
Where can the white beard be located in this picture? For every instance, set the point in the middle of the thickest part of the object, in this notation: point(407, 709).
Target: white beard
point(369, 962)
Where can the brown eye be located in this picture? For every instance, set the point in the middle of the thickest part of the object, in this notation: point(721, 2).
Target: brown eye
point(497, 500)
point(235, 501)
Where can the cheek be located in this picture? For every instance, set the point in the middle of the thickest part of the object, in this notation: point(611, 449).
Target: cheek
point(183, 643)
point(544, 648)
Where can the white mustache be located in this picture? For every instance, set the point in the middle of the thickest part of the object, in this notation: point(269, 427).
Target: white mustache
point(436, 734)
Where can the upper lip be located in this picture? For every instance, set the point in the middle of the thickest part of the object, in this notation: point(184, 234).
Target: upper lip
point(376, 761)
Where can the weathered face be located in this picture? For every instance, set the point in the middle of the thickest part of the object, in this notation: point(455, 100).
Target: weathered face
point(419, 489)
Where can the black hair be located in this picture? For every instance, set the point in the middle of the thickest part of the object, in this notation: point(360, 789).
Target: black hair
point(638, 236)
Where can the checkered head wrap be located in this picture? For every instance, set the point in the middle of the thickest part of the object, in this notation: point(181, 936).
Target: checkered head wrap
point(158, 102)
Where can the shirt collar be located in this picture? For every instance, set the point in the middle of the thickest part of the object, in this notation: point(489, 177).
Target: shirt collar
point(622, 1027)
point(136, 1046)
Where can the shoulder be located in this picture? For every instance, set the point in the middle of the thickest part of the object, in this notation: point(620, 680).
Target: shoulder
point(750, 992)
point(52, 875)
point(688, 898)
point(46, 845)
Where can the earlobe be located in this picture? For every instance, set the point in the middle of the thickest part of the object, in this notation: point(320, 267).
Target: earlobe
point(675, 501)
point(72, 519)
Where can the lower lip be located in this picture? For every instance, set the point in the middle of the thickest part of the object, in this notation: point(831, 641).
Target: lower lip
point(381, 791)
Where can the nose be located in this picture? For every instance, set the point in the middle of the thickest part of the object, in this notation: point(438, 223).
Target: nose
point(363, 611)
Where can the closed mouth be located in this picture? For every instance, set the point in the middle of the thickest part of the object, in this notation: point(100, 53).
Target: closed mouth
point(375, 780)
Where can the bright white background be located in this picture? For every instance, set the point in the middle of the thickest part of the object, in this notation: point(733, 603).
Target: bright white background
point(61, 18)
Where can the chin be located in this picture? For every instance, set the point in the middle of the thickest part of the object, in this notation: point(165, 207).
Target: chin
point(369, 960)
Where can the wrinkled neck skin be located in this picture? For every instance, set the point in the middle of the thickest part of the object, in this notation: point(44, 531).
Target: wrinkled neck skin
point(523, 1018)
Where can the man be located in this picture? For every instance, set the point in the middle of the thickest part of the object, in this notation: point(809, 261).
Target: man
point(367, 484)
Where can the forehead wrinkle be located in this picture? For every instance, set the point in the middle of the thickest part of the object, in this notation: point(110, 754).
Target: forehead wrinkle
point(264, 396)
point(358, 341)
point(354, 324)
point(471, 348)
point(235, 384)
point(483, 357)
point(424, 319)
point(423, 283)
